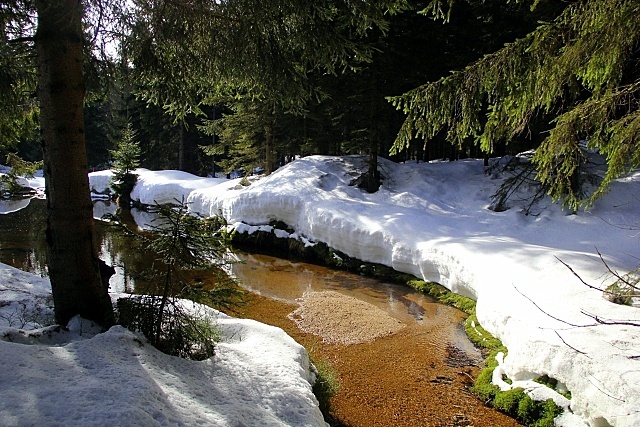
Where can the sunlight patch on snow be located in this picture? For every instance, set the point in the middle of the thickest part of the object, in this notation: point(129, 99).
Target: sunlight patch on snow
point(431, 220)
point(77, 376)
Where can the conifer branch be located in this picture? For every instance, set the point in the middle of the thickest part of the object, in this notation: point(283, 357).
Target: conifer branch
point(585, 54)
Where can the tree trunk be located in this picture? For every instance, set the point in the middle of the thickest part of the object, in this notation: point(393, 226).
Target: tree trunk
point(373, 178)
point(181, 161)
point(269, 147)
point(73, 262)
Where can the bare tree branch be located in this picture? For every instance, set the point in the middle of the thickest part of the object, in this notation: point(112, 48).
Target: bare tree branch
point(552, 316)
point(605, 321)
point(623, 279)
point(581, 279)
point(604, 392)
point(570, 346)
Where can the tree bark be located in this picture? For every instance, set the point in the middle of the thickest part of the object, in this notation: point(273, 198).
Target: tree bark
point(181, 161)
point(73, 262)
point(373, 177)
point(269, 147)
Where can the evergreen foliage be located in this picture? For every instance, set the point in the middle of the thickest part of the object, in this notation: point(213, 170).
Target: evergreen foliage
point(241, 134)
point(18, 77)
point(183, 244)
point(126, 158)
point(185, 51)
point(248, 51)
point(579, 69)
point(9, 184)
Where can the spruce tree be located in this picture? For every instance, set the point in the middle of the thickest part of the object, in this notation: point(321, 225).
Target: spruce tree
point(126, 158)
point(253, 51)
point(580, 69)
point(241, 136)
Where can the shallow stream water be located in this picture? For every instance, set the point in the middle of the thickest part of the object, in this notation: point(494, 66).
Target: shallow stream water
point(415, 377)
point(22, 245)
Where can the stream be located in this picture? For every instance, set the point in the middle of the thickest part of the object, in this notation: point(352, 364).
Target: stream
point(417, 376)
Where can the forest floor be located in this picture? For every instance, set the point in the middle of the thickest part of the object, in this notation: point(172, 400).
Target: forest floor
point(403, 376)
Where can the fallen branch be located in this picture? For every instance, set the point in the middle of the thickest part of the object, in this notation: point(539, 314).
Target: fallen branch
point(552, 316)
point(604, 321)
point(570, 346)
point(623, 279)
point(582, 280)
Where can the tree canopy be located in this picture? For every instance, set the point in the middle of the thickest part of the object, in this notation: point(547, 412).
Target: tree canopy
point(181, 51)
point(579, 72)
point(189, 52)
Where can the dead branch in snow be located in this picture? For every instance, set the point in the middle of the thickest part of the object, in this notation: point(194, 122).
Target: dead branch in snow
point(582, 280)
point(604, 321)
point(569, 345)
point(622, 278)
point(551, 315)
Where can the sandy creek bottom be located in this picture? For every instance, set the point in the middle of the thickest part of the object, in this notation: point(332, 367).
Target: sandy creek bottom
point(417, 376)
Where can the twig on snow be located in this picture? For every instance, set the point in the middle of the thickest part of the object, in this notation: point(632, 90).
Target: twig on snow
point(552, 316)
point(570, 346)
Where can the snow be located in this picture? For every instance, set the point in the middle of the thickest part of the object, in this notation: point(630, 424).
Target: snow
point(36, 183)
point(431, 220)
point(77, 377)
point(167, 186)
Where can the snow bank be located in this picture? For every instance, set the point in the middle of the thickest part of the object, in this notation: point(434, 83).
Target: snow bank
point(100, 182)
point(51, 376)
point(431, 220)
point(167, 186)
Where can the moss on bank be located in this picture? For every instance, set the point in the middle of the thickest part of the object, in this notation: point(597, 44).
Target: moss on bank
point(515, 403)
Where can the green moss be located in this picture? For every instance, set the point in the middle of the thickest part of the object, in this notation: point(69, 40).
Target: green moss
point(549, 411)
point(514, 402)
point(480, 337)
point(552, 383)
point(482, 387)
point(528, 411)
point(509, 401)
point(443, 295)
point(326, 386)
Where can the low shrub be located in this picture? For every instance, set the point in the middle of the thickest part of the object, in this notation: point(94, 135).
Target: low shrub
point(168, 327)
point(182, 244)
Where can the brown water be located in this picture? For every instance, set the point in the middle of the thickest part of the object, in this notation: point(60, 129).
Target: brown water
point(416, 377)
point(287, 281)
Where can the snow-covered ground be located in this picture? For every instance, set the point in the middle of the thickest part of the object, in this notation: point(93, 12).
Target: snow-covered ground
point(432, 220)
point(259, 375)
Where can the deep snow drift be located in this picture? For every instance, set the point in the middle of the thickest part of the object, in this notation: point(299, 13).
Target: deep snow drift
point(432, 220)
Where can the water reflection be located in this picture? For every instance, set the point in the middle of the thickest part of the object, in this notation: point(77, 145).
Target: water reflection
point(287, 281)
point(13, 205)
point(22, 245)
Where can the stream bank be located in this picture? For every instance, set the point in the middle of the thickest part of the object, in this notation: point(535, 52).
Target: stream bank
point(417, 376)
point(398, 380)
point(403, 373)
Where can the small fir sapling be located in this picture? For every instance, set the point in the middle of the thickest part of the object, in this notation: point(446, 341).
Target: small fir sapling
point(126, 158)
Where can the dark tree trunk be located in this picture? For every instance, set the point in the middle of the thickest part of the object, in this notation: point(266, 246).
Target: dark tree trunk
point(269, 147)
point(73, 262)
point(181, 161)
point(373, 178)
